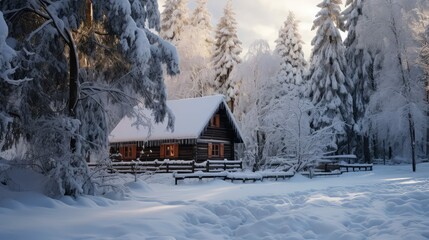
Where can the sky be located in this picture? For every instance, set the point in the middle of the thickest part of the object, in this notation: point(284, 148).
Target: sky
point(262, 19)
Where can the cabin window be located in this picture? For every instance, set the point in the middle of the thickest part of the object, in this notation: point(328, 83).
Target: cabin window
point(169, 151)
point(216, 150)
point(128, 152)
point(215, 121)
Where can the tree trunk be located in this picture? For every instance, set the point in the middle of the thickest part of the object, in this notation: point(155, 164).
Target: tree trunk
point(73, 84)
point(412, 140)
point(260, 139)
point(374, 146)
point(366, 150)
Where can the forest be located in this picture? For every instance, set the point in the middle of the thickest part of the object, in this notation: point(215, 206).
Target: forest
point(364, 94)
point(71, 69)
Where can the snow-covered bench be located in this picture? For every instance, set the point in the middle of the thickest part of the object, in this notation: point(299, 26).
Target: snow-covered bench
point(354, 166)
point(200, 175)
point(234, 176)
point(313, 173)
point(244, 176)
point(277, 175)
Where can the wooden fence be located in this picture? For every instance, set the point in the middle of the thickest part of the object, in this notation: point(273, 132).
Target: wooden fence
point(169, 166)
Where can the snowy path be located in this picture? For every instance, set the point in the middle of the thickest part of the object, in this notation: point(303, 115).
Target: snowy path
point(390, 203)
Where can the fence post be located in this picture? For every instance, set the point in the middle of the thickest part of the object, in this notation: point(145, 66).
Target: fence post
point(133, 168)
point(193, 166)
point(208, 166)
point(168, 167)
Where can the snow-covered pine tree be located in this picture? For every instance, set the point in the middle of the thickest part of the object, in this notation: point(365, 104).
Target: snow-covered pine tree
point(289, 48)
point(201, 19)
point(360, 69)
point(6, 53)
point(174, 20)
point(329, 88)
point(201, 33)
point(195, 70)
point(280, 100)
point(226, 54)
point(6, 69)
point(166, 31)
point(424, 56)
point(53, 112)
point(424, 59)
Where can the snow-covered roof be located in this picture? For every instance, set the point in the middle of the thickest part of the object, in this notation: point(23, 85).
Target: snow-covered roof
point(192, 115)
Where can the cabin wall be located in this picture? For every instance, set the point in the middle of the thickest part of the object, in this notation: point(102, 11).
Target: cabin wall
point(186, 152)
point(223, 134)
point(203, 152)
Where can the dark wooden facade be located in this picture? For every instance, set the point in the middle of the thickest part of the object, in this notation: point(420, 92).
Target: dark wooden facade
point(216, 142)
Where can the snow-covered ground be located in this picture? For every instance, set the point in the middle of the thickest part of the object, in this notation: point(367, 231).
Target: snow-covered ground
point(389, 203)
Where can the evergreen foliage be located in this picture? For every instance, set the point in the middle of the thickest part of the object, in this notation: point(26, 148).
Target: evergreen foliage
point(329, 87)
point(195, 69)
point(82, 65)
point(226, 53)
point(362, 64)
point(174, 20)
point(6, 83)
point(201, 19)
point(289, 48)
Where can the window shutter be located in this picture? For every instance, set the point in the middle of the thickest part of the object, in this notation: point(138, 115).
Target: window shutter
point(217, 120)
point(162, 152)
point(221, 150)
point(122, 152)
point(176, 150)
point(210, 146)
point(134, 152)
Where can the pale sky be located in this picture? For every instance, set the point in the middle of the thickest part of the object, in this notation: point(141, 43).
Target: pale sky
point(262, 19)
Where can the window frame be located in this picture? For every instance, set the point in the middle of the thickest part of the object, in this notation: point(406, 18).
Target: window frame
point(215, 150)
point(169, 150)
point(216, 147)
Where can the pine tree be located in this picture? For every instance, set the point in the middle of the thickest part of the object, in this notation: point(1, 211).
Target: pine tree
point(289, 48)
point(6, 56)
point(424, 56)
point(226, 54)
point(329, 88)
point(174, 20)
point(195, 69)
point(201, 20)
point(360, 69)
point(61, 113)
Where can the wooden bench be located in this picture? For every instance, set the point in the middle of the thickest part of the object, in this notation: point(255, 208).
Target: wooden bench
point(320, 173)
point(354, 166)
point(200, 175)
point(258, 176)
point(244, 176)
point(234, 176)
point(277, 175)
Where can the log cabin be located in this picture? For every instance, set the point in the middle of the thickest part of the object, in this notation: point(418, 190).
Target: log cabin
point(204, 129)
